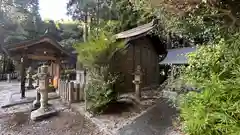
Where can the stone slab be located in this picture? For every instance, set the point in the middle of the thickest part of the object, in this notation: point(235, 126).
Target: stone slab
point(40, 114)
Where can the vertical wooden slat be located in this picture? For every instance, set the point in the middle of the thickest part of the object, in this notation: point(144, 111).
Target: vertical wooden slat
point(64, 90)
point(70, 92)
point(78, 92)
point(60, 88)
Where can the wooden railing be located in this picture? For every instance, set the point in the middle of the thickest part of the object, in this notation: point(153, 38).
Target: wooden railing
point(71, 92)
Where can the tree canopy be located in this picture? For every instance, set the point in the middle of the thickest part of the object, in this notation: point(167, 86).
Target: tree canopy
point(103, 11)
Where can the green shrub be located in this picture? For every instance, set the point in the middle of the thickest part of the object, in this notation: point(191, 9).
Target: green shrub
point(96, 55)
point(98, 51)
point(216, 109)
point(100, 90)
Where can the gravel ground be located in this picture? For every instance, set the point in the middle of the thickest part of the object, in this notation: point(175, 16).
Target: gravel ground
point(157, 121)
point(16, 120)
point(66, 123)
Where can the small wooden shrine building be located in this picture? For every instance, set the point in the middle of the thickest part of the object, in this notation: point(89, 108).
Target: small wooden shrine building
point(177, 56)
point(43, 49)
point(175, 59)
point(142, 48)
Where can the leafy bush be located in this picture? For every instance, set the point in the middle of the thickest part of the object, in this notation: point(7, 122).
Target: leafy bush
point(216, 109)
point(98, 51)
point(68, 74)
point(100, 90)
point(96, 55)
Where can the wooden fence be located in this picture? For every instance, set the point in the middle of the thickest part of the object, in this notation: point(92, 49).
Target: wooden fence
point(12, 76)
point(71, 92)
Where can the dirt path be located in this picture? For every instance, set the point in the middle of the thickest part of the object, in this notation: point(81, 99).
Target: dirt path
point(66, 123)
point(16, 120)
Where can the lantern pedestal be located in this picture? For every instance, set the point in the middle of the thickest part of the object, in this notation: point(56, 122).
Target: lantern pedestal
point(36, 102)
point(45, 110)
point(43, 113)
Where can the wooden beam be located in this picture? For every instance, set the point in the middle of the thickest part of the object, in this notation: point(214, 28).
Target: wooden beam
point(51, 51)
point(41, 57)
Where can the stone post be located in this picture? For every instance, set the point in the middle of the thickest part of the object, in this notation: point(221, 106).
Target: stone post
point(137, 82)
point(43, 86)
point(8, 78)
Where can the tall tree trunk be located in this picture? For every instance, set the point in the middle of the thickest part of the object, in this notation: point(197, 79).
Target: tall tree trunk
point(86, 25)
point(98, 17)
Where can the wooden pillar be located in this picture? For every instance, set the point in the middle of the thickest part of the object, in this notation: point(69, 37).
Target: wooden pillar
point(52, 66)
point(23, 75)
point(57, 72)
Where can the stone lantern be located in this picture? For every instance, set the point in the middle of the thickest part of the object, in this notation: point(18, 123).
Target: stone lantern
point(137, 81)
point(30, 79)
point(44, 109)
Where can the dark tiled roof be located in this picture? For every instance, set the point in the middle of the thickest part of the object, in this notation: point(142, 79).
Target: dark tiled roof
point(177, 56)
point(135, 31)
point(28, 43)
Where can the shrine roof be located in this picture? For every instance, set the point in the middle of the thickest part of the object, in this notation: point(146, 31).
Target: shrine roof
point(178, 56)
point(49, 41)
point(136, 31)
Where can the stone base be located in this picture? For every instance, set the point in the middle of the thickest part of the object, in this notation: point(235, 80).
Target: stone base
point(40, 114)
point(35, 105)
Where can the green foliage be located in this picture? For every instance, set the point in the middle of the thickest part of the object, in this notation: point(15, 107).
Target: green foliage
point(100, 90)
point(215, 70)
point(96, 56)
point(98, 51)
point(131, 17)
point(103, 11)
point(20, 20)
